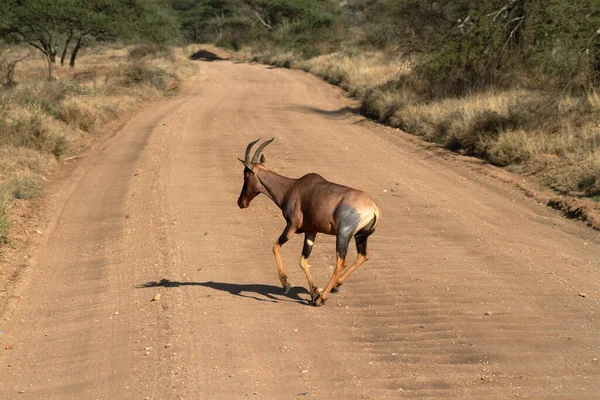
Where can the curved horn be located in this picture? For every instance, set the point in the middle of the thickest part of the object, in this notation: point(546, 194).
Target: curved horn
point(259, 150)
point(247, 158)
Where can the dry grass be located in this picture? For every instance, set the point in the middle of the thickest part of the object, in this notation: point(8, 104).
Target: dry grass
point(357, 72)
point(42, 121)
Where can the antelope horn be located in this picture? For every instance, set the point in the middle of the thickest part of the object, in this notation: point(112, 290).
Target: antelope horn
point(259, 150)
point(247, 158)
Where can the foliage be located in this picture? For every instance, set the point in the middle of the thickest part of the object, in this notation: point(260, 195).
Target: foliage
point(45, 24)
point(299, 25)
point(470, 45)
point(26, 188)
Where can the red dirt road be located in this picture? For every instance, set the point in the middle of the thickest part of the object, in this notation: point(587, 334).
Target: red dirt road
point(472, 289)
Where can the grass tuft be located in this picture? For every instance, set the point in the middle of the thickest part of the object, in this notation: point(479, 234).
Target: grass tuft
point(5, 207)
point(24, 188)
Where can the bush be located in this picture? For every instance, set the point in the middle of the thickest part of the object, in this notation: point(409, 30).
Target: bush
point(143, 74)
point(5, 206)
point(151, 50)
point(27, 130)
point(79, 114)
point(26, 188)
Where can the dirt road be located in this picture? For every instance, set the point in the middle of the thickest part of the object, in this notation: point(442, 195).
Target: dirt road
point(472, 290)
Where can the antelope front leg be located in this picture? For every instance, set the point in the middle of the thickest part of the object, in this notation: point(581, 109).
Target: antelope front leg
point(309, 241)
point(285, 236)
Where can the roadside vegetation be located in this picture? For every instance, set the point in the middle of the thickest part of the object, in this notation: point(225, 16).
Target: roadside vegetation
point(51, 111)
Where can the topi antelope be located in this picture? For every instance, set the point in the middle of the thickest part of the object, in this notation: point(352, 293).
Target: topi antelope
point(312, 205)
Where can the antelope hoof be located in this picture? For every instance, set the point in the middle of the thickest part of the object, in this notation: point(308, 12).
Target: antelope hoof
point(313, 297)
point(286, 288)
point(318, 301)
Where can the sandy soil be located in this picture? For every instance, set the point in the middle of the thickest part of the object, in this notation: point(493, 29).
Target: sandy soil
point(473, 290)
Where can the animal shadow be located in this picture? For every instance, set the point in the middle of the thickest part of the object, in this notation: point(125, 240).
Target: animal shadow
point(205, 55)
point(257, 292)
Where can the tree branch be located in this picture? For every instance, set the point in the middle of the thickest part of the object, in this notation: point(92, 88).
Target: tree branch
point(262, 21)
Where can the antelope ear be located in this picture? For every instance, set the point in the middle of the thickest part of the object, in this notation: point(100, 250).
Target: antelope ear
point(263, 160)
point(246, 164)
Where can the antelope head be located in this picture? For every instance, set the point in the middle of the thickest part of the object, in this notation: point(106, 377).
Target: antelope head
point(252, 186)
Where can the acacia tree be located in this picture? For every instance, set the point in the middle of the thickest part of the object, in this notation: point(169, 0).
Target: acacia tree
point(214, 20)
point(105, 20)
point(42, 23)
point(36, 22)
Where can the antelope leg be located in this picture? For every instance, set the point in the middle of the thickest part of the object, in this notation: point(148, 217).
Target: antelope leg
point(285, 236)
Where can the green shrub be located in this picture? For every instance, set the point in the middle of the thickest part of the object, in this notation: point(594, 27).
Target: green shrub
point(5, 206)
point(26, 188)
point(143, 74)
point(61, 146)
point(28, 130)
point(151, 50)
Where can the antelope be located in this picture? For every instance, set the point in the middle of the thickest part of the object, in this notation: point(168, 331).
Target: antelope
point(312, 205)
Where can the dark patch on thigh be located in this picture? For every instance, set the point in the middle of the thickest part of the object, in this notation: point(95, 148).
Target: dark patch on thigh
point(347, 221)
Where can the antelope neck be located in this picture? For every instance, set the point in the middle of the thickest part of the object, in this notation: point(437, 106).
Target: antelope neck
point(276, 186)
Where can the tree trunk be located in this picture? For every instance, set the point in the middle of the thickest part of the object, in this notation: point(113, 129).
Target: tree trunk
point(64, 53)
point(75, 50)
point(53, 49)
point(49, 61)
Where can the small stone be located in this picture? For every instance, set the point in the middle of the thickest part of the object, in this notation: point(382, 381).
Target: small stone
point(488, 313)
point(38, 231)
point(156, 297)
point(304, 371)
point(116, 313)
point(582, 295)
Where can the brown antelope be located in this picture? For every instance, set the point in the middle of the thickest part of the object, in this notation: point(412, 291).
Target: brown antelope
point(312, 205)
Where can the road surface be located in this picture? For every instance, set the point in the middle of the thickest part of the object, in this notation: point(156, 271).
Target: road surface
point(473, 290)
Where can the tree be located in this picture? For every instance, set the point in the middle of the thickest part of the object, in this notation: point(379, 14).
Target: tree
point(106, 20)
point(214, 20)
point(42, 23)
point(37, 22)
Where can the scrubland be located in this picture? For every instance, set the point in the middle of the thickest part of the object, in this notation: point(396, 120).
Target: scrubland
point(43, 122)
